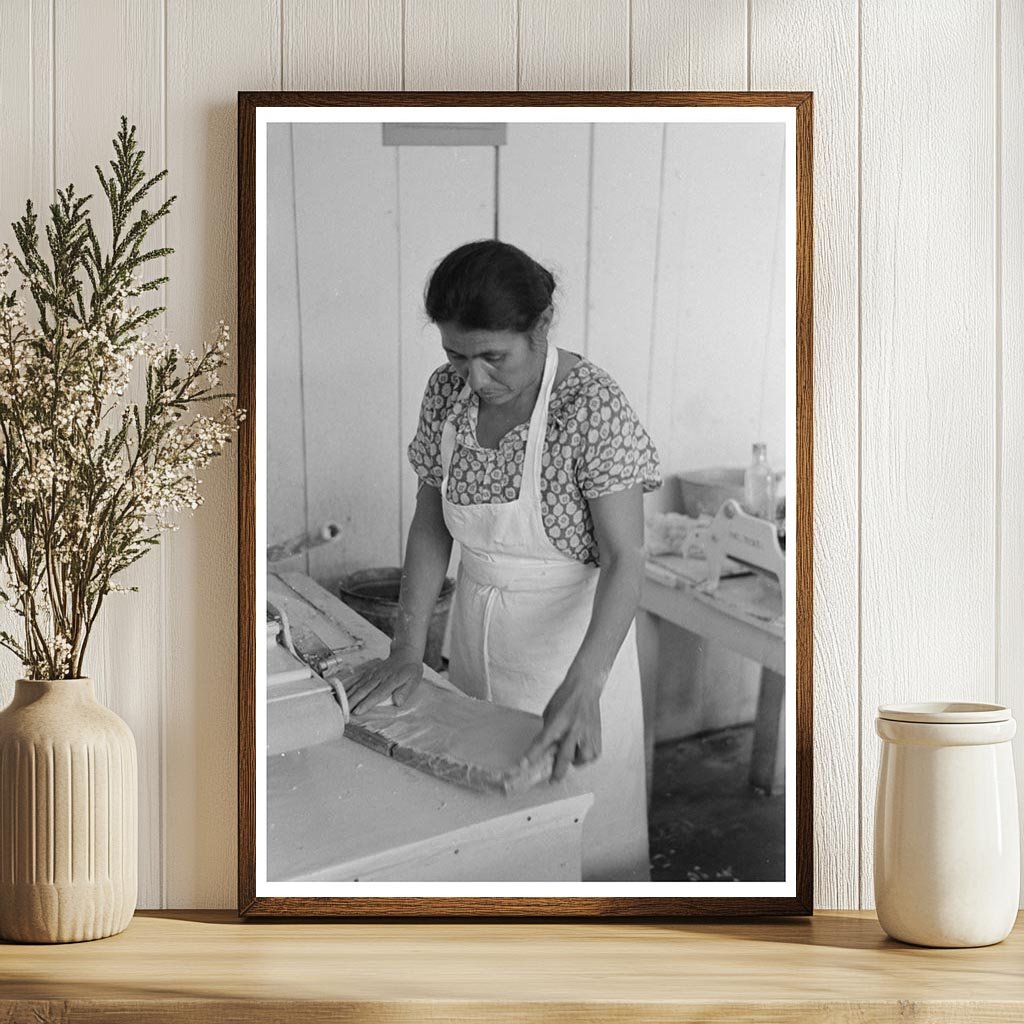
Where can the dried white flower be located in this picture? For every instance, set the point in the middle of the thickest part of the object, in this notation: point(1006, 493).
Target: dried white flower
point(100, 462)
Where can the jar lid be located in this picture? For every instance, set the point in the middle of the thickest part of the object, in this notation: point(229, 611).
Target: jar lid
point(945, 712)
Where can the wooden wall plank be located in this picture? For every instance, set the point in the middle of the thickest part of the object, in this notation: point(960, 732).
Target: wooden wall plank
point(543, 183)
point(575, 44)
point(624, 208)
point(213, 50)
point(689, 44)
point(716, 363)
point(26, 121)
point(129, 669)
point(930, 620)
point(347, 240)
point(286, 452)
point(445, 198)
point(814, 46)
point(568, 46)
point(342, 44)
point(729, 361)
point(26, 109)
point(469, 44)
point(928, 520)
point(694, 44)
point(326, 44)
point(665, 355)
point(1010, 178)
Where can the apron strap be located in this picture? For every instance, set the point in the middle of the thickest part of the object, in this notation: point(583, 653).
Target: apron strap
point(447, 450)
point(529, 488)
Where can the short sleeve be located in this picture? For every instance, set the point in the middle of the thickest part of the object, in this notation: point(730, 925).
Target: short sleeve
point(615, 451)
point(424, 450)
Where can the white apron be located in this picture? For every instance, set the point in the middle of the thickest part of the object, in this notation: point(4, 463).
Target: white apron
point(520, 612)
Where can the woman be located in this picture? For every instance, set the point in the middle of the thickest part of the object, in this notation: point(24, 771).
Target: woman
point(532, 459)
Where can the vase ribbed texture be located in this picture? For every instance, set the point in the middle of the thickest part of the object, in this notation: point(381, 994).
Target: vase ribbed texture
point(68, 815)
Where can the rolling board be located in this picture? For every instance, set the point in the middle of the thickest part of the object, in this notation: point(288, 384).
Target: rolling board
point(440, 730)
point(469, 742)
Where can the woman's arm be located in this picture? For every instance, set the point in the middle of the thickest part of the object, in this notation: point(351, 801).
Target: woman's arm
point(572, 719)
point(619, 531)
point(427, 552)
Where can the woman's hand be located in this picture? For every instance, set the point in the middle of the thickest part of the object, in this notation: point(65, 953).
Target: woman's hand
point(427, 552)
point(572, 725)
point(396, 676)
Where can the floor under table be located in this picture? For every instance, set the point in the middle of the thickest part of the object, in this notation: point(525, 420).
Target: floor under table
point(706, 823)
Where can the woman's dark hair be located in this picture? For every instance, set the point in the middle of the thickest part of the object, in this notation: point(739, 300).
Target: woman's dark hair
point(488, 285)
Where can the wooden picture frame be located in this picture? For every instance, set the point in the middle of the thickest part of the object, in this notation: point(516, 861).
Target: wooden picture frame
point(259, 896)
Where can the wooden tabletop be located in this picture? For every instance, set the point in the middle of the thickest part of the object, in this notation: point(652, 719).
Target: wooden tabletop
point(338, 810)
point(208, 966)
point(727, 616)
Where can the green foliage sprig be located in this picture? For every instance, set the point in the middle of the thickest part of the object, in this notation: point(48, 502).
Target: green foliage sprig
point(89, 477)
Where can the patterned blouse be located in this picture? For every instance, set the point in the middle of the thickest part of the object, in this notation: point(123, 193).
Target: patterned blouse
point(595, 445)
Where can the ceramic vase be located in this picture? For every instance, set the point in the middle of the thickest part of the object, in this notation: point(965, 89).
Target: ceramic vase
point(947, 847)
point(68, 815)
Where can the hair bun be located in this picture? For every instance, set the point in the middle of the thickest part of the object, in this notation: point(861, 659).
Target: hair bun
point(489, 285)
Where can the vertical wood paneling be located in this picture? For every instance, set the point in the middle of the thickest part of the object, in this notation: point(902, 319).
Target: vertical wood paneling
point(689, 44)
point(26, 76)
point(286, 453)
point(128, 668)
point(626, 161)
point(543, 181)
point(328, 44)
point(342, 44)
point(469, 44)
point(445, 198)
point(715, 345)
point(1010, 256)
point(665, 355)
point(695, 44)
point(814, 46)
point(726, 356)
point(26, 119)
point(575, 44)
point(213, 50)
point(928, 513)
point(932, 471)
point(347, 239)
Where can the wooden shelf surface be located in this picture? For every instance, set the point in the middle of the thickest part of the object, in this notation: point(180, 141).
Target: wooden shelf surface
point(201, 966)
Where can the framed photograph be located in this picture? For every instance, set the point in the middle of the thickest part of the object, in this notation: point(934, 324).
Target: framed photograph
point(525, 504)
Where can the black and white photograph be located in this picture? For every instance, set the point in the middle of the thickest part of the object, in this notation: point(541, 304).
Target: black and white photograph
point(525, 461)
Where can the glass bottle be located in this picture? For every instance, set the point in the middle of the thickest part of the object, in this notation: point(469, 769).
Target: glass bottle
point(759, 485)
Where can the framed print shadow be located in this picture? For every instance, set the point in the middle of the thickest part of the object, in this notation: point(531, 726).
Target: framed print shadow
point(525, 504)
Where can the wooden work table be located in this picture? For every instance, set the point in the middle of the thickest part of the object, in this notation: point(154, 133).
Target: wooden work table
point(207, 966)
point(339, 812)
point(745, 615)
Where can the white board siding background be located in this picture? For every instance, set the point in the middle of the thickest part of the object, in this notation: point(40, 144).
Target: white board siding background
point(667, 247)
point(919, 345)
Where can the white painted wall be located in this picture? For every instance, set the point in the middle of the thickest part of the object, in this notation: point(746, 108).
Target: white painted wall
point(667, 247)
point(919, 307)
point(666, 243)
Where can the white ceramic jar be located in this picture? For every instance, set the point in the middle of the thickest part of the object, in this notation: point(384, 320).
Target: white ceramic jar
point(947, 847)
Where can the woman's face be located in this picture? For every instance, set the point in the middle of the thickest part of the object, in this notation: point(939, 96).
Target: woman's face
point(499, 365)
